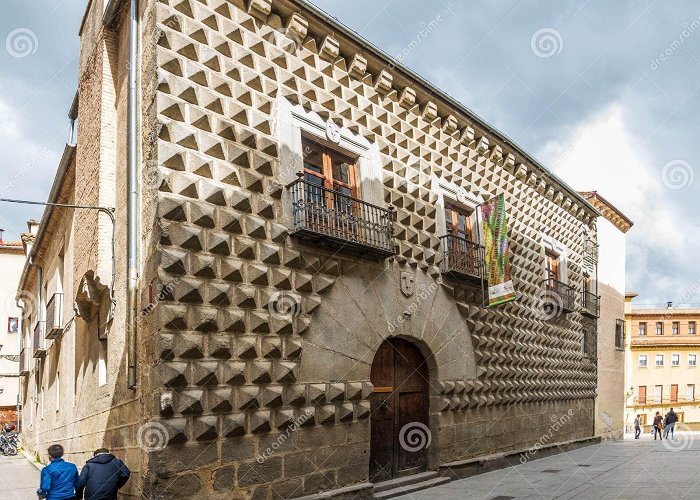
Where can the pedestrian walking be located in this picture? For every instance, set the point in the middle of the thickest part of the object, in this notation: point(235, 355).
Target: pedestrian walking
point(671, 419)
point(637, 428)
point(59, 478)
point(658, 426)
point(102, 476)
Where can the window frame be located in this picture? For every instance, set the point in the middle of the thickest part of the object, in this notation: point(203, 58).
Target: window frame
point(695, 360)
point(328, 154)
point(690, 386)
point(639, 395)
point(691, 327)
point(659, 328)
point(646, 361)
point(619, 334)
point(656, 360)
point(642, 327)
point(675, 359)
point(675, 328)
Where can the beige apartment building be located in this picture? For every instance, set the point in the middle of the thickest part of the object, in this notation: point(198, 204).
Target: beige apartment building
point(293, 270)
point(663, 349)
point(11, 320)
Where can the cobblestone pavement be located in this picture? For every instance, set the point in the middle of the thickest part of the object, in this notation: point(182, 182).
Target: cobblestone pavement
point(630, 469)
point(19, 479)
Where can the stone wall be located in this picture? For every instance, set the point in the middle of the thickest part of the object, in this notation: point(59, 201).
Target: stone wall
point(228, 371)
point(610, 402)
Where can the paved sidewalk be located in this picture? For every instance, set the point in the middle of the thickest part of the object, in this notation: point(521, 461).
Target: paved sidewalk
point(19, 479)
point(629, 469)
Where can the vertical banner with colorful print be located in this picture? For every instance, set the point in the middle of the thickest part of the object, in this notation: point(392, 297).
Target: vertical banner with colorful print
point(495, 225)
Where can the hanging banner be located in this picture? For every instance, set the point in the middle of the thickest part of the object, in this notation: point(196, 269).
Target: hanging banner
point(493, 215)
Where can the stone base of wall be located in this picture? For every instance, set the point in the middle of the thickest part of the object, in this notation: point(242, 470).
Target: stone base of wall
point(473, 467)
point(356, 492)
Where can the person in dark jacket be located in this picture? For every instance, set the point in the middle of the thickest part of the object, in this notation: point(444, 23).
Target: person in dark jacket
point(671, 419)
point(102, 477)
point(659, 426)
point(59, 478)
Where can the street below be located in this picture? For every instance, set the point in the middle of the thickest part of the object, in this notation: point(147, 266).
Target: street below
point(19, 479)
point(629, 469)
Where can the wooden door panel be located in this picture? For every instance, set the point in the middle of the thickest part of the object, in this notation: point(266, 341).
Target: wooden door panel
point(400, 378)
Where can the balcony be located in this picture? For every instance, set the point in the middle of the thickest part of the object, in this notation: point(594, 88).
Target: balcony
point(463, 258)
point(23, 363)
point(559, 296)
point(590, 250)
point(39, 350)
point(54, 316)
point(325, 216)
point(590, 304)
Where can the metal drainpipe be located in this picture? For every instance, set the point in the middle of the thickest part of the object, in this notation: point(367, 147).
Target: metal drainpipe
point(133, 196)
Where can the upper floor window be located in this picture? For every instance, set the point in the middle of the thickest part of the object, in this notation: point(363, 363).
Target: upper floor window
point(692, 359)
point(691, 327)
point(458, 222)
point(675, 327)
point(675, 359)
point(659, 328)
point(552, 265)
point(642, 328)
point(327, 168)
point(12, 325)
point(659, 360)
point(619, 334)
point(642, 360)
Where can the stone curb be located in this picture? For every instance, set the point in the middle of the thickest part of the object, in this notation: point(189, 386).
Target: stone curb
point(31, 460)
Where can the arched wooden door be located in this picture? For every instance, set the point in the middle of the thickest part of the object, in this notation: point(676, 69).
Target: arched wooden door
point(399, 411)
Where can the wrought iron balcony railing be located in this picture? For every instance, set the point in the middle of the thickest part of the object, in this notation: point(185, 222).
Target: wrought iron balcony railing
point(559, 296)
point(590, 250)
point(54, 316)
point(590, 304)
point(463, 257)
point(23, 362)
point(39, 343)
point(328, 216)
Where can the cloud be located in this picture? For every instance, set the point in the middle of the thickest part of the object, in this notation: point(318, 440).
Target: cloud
point(600, 154)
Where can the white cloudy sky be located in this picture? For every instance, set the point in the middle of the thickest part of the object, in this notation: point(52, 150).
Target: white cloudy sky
point(603, 110)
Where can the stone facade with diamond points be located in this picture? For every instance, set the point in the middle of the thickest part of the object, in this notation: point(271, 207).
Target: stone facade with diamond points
point(255, 345)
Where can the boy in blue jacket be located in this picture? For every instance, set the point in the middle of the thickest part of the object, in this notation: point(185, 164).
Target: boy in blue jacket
point(58, 479)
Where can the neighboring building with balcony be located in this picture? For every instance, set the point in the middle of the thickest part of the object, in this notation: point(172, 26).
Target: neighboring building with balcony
point(603, 307)
point(310, 253)
point(663, 350)
point(11, 323)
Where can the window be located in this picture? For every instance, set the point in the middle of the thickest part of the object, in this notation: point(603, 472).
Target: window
point(658, 393)
point(690, 392)
point(642, 360)
point(586, 283)
point(642, 328)
point(659, 360)
point(675, 327)
point(692, 359)
point(691, 327)
point(659, 328)
point(458, 222)
point(675, 360)
point(674, 393)
point(642, 399)
point(58, 390)
point(102, 365)
point(328, 169)
point(552, 265)
point(619, 334)
point(12, 325)
point(588, 343)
